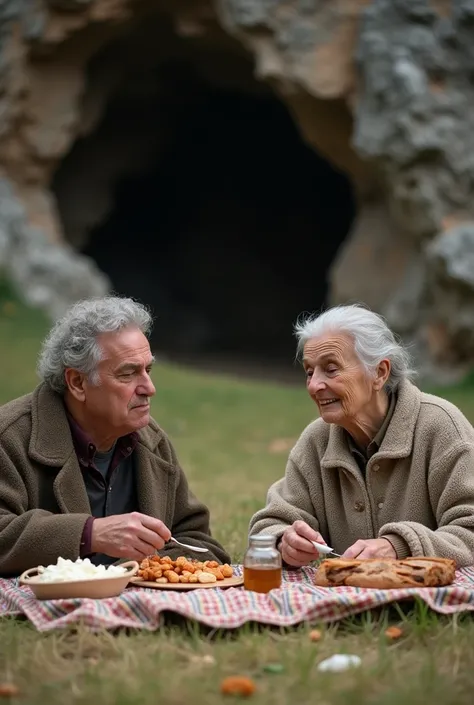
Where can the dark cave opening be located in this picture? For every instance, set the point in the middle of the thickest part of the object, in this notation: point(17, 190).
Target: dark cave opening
point(228, 232)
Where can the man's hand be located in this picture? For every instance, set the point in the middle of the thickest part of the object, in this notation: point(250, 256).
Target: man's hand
point(296, 547)
point(371, 548)
point(132, 535)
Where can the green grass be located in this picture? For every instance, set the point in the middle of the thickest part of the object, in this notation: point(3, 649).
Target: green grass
point(232, 439)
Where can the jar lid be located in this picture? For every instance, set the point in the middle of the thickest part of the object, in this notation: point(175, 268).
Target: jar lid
point(262, 538)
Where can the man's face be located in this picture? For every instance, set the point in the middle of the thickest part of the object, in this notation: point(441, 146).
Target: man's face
point(120, 403)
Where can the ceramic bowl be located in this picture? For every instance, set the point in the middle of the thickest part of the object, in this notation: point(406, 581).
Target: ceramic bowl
point(94, 588)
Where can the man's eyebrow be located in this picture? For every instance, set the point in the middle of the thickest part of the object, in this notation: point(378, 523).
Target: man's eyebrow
point(132, 366)
point(128, 366)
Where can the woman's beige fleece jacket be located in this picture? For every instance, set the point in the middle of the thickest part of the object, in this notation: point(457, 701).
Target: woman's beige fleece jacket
point(418, 489)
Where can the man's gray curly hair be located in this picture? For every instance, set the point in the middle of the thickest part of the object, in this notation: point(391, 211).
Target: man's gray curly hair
point(72, 342)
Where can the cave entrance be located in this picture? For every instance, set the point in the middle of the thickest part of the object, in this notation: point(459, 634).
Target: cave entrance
point(210, 208)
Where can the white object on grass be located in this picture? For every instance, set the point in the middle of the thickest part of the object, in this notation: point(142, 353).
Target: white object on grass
point(339, 662)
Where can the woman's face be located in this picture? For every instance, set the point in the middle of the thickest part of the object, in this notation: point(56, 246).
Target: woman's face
point(336, 380)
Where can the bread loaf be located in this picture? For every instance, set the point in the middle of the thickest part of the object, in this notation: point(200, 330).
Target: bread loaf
point(384, 574)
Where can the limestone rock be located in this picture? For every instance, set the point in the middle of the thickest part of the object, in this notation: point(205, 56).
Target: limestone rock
point(48, 275)
point(403, 70)
point(452, 256)
point(451, 288)
point(373, 260)
point(383, 89)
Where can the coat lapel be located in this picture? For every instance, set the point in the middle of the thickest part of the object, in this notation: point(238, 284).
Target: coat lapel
point(70, 490)
point(51, 445)
point(400, 434)
point(337, 454)
point(51, 441)
point(155, 479)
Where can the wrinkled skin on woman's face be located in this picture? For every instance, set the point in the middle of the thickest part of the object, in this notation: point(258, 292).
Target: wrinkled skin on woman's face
point(344, 392)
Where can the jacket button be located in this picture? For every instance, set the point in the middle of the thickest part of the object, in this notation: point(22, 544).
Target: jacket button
point(376, 467)
point(359, 506)
point(380, 505)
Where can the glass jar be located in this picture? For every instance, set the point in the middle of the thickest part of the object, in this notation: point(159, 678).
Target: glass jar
point(262, 564)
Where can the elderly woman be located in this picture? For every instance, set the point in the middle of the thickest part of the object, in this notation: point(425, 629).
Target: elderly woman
point(386, 471)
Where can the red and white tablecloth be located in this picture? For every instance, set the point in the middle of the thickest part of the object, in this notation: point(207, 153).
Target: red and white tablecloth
point(297, 601)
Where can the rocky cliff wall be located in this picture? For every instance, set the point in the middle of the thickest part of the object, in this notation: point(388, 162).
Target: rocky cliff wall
point(382, 88)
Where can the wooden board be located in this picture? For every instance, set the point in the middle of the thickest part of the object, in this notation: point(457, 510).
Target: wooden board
point(226, 583)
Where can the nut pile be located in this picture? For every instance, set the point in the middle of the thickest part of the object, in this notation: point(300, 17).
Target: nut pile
point(162, 569)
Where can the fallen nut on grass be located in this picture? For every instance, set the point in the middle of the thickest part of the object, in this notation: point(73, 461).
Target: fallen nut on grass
point(206, 660)
point(315, 635)
point(238, 685)
point(393, 633)
point(8, 690)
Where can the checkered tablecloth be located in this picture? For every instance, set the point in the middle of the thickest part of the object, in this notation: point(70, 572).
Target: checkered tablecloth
point(298, 600)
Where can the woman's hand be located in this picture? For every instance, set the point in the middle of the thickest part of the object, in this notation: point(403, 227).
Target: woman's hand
point(296, 547)
point(371, 548)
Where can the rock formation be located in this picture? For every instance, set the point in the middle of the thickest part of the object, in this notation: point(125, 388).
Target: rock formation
point(381, 89)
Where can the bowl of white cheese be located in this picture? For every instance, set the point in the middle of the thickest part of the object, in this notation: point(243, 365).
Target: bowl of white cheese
point(68, 579)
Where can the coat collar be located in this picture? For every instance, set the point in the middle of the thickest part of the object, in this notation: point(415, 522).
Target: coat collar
point(51, 441)
point(398, 439)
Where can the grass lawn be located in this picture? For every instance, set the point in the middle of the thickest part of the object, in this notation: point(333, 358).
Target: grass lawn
point(232, 438)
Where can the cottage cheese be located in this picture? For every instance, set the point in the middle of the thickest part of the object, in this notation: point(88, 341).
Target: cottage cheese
point(81, 569)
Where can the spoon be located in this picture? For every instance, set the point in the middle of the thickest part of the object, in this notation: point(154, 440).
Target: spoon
point(325, 550)
point(197, 549)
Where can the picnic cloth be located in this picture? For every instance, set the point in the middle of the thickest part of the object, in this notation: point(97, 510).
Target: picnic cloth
point(297, 601)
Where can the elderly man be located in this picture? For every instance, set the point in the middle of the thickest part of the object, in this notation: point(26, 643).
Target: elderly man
point(85, 470)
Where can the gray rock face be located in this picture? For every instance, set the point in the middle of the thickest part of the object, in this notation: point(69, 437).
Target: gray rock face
point(450, 257)
point(413, 122)
point(383, 88)
point(47, 275)
point(414, 119)
point(452, 254)
point(414, 116)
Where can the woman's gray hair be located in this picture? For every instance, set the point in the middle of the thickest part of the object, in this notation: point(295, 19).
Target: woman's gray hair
point(373, 339)
point(72, 342)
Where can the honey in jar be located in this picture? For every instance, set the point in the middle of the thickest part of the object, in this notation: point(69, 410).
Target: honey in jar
point(262, 564)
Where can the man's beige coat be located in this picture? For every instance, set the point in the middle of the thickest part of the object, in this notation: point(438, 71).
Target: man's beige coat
point(43, 500)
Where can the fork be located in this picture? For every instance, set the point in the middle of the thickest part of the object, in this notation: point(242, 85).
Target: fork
point(197, 549)
point(325, 550)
